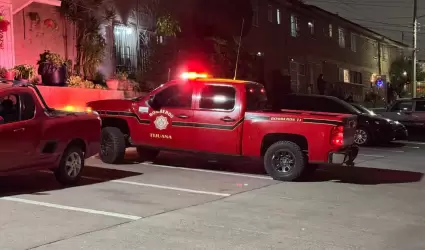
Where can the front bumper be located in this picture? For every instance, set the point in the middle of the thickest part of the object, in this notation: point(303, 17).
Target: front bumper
point(344, 156)
point(401, 133)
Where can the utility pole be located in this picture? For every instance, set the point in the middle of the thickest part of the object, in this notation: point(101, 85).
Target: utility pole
point(415, 40)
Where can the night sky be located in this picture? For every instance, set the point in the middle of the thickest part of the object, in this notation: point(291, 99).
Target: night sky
point(388, 17)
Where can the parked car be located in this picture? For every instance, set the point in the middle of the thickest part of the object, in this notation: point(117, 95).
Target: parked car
point(225, 117)
point(370, 128)
point(401, 132)
point(410, 112)
point(34, 136)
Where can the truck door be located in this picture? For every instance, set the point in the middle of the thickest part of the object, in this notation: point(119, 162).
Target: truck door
point(15, 137)
point(170, 115)
point(218, 119)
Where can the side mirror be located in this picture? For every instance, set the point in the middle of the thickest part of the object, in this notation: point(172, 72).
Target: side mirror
point(152, 103)
point(1, 120)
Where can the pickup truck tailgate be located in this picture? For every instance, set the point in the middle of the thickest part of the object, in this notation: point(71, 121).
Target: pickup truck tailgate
point(350, 126)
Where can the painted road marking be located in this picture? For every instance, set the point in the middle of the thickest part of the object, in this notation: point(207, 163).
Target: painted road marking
point(151, 185)
point(411, 147)
point(387, 150)
point(212, 172)
point(412, 142)
point(76, 209)
point(367, 155)
point(170, 188)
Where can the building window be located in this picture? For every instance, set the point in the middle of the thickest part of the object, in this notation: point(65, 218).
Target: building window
point(356, 77)
point(353, 43)
point(344, 75)
point(270, 13)
point(330, 30)
point(311, 27)
point(255, 14)
point(341, 37)
point(294, 26)
point(278, 16)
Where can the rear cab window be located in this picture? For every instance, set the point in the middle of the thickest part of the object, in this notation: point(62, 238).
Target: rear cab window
point(256, 99)
point(217, 97)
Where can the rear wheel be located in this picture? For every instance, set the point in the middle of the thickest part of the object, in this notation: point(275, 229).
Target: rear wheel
point(70, 167)
point(362, 137)
point(147, 154)
point(284, 161)
point(112, 147)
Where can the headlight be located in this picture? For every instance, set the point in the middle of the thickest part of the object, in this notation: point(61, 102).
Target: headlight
point(397, 122)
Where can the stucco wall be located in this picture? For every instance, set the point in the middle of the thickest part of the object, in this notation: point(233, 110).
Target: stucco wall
point(33, 37)
point(6, 54)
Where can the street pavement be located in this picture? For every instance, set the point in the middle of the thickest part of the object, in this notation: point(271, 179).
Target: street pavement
point(182, 202)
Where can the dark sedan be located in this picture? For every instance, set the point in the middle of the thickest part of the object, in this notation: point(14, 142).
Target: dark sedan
point(399, 129)
point(371, 128)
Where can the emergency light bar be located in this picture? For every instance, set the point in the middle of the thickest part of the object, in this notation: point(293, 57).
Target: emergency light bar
point(193, 75)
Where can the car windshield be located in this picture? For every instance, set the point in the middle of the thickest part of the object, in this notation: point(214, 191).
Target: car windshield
point(349, 107)
point(363, 109)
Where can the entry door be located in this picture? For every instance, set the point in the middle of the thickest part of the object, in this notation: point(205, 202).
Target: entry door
point(218, 119)
point(170, 118)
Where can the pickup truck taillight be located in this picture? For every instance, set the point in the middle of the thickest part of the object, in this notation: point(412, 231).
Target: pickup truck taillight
point(337, 136)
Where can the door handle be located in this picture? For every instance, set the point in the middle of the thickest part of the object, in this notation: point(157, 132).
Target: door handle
point(227, 119)
point(182, 116)
point(19, 130)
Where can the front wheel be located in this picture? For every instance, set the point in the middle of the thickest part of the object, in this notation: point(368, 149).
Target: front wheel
point(70, 167)
point(284, 161)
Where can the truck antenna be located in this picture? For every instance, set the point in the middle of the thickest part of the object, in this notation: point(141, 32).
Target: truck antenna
point(239, 49)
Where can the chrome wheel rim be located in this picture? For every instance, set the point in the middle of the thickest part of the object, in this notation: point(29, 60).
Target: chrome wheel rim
point(73, 164)
point(283, 161)
point(360, 137)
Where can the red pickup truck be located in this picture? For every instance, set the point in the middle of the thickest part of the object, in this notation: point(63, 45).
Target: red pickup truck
point(34, 136)
point(225, 117)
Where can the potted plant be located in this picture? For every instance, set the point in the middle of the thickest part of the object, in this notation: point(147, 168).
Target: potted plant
point(52, 68)
point(10, 74)
point(114, 83)
point(24, 72)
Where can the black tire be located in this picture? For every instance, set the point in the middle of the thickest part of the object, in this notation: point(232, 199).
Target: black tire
point(363, 142)
point(70, 167)
point(147, 154)
point(291, 173)
point(112, 146)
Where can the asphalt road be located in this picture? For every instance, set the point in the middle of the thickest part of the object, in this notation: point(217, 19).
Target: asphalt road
point(187, 203)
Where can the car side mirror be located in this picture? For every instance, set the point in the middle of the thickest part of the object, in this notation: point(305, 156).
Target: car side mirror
point(153, 103)
point(1, 120)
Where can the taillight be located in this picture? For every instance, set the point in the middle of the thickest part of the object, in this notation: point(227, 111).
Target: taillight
point(337, 136)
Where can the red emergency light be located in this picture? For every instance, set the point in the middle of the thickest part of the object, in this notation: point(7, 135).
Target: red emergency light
point(193, 75)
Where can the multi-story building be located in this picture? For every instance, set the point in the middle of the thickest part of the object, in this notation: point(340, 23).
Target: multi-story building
point(306, 41)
